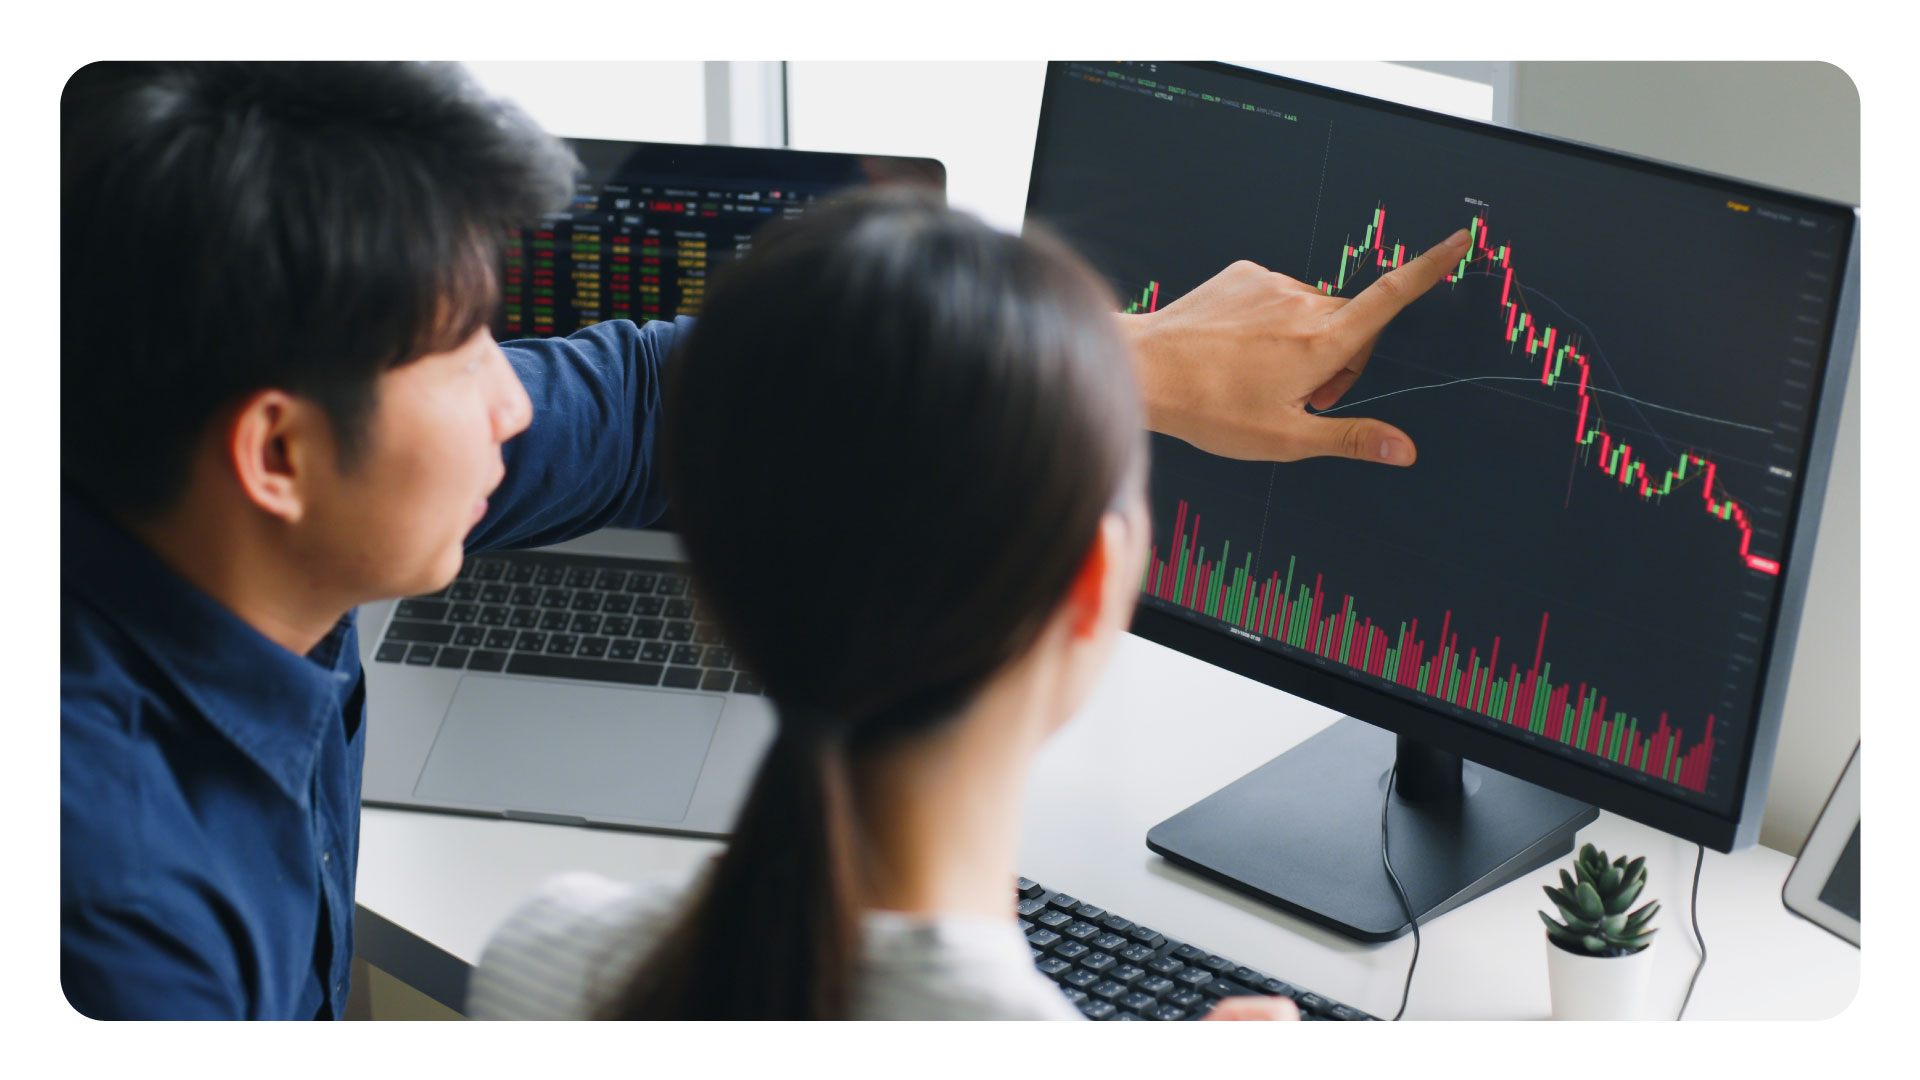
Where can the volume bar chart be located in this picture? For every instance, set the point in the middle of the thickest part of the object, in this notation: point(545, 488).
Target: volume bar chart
point(1303, 616)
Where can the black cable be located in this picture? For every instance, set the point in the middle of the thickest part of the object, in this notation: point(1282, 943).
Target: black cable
point(1693, 912)
point(1404, 902)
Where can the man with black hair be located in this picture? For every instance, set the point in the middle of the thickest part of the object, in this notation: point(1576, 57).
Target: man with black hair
point(281, 400)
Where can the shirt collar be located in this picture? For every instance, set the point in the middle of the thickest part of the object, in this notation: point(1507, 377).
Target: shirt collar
point(271, 704)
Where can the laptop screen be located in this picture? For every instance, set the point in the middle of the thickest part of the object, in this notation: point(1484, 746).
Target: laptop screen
point(651, 221)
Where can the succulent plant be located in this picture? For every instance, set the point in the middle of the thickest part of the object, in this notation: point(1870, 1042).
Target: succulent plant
point(1594, 905)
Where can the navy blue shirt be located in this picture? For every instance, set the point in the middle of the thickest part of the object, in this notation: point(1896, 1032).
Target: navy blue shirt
point(210, 779)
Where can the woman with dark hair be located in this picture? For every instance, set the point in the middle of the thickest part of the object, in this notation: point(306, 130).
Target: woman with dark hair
point(928, 526)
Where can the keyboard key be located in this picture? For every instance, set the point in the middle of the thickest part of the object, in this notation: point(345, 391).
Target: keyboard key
point(1096, 1009)
point(1072, 950)
point(463, 613)
point(524, 618)
point(671, 585)
point(496, 593)
point(1166, 1012)
point(586, 601)
point(585, 623)
point(682, 678)
point(1091, 913)
point(655, 652)
point(1346, 1012)
point(1135, 1000)
point(1053, 965)
point(648, 629)
point(1041, 939)
point(550, 574)
point(1107, 988)
point(1215, 964)
point(1188, 952)
point(648, 606)
point(1165, 965)
point(1116, 924)
point(556, 598)
point(613, 625)
point(1033, 905)
point(1151, 938)
point(686, 654)
point(469, 636)
point(431, 633)
point(1193, 977)
point(1026, 927)
point(679, 631)
point(500, 639)
point(1063, 902)
point(421, 609)
point(717, 681)
point(526, 596)
point(1053, 918)
point(748, 684)
point(572, 667)
point(680, 608)
point(1311, 1002)
point(391, 652)
point(1222, 988)
point(593, 647)
point(487, 661)
point(718, 656)
point(489, 570)
point(1097, 961)
point(610, 580)
point(1027, 889)
point(624, 649)
point(530, 641)
point(1276, 987)
point(707, 633)
point(1126, 973)
point(493, 615)
point(1246, 975)
point(422, 655)
point(1186, 999)
point(452, 657)
point(463, 590)
point(1123, 1014)
point(580, 577)
point(554, 619)
point(1155, 985)
point(1136, 952)
point(1073, 994)
point(617, 604)
point(1109, 941)
point(1080, 931)
point(640, 583)
point(562, 644)
point(519, 572)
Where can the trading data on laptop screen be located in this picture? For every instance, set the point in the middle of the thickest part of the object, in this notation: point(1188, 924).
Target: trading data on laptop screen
point(651, 222)
point(1611, 397)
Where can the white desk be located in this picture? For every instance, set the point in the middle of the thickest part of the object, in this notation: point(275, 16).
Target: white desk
point(1162, 731)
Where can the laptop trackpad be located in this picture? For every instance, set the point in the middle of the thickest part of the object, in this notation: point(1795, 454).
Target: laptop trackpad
point(599, 752)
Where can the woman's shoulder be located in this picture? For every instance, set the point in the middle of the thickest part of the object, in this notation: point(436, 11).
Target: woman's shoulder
point(570, 946)
point(952, 967)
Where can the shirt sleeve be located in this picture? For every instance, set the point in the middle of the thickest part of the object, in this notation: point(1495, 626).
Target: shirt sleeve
point(122, 963)
point(588, 458)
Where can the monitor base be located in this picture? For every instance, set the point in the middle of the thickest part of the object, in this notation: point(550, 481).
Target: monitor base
point(1303, 831)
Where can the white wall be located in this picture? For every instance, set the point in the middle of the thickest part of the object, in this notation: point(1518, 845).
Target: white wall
point(1797, 126)
point(651, 101)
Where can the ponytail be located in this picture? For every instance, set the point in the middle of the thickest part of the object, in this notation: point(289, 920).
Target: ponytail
point(775, 933)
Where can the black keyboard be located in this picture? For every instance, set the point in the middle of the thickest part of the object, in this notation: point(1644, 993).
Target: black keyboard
point(1114, 969)
point(604, 619)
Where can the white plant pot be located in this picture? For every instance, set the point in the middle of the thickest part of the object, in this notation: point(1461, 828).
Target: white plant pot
point(1598, 987)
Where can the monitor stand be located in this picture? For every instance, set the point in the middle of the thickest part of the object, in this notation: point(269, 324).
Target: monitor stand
point(1303, 830)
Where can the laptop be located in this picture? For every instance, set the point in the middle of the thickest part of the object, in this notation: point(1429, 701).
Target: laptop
point(583, 683)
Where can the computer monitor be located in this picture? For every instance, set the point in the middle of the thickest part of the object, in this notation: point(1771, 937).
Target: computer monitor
point(651, 221)
point(1588, 586)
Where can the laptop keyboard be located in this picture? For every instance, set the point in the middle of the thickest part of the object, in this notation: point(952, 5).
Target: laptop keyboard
point(602, 619)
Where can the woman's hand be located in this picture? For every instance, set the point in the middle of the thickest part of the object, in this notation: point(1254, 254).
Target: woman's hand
point(1254, 1008)
point(1232, 366)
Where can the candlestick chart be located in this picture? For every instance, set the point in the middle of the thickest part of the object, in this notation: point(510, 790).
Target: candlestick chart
point(1610, 395)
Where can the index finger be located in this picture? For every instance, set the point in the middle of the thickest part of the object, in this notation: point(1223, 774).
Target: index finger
point(1364, 316)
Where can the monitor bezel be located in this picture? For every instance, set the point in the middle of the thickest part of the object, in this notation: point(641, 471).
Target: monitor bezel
point(1584, 782)
point(604, 157)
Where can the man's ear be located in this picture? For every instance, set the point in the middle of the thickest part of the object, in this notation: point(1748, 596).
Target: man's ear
point(271, 445)
point(1088, 597)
